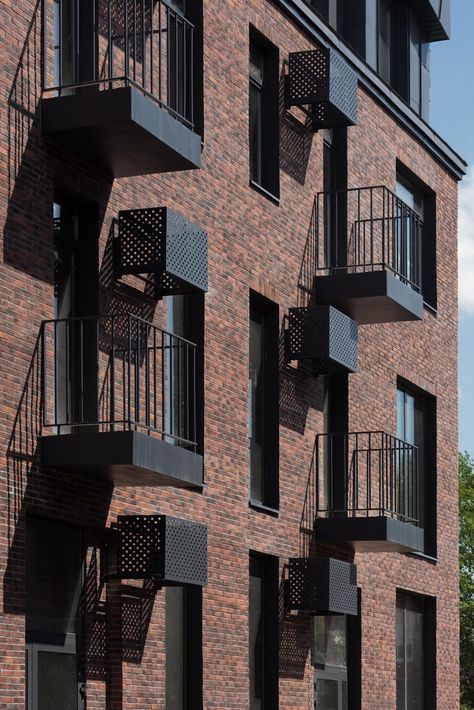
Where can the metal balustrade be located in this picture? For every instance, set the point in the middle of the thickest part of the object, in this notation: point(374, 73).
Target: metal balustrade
point(366, 474)
point(366, 229)
point(118, 372)
point(105, 44)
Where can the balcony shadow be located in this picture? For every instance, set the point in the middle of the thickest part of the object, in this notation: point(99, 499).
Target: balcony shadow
point(295, 640)
point(295, 138)
point(308, 265)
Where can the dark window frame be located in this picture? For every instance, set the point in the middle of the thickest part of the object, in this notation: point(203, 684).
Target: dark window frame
point(192, 648)
point(269, 405)
point(429, 276)
point(429, 644)
point(428, 484)
point(267, 567)
point(267, 178)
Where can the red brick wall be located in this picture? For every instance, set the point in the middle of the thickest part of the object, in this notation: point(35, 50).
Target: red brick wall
point(253, 243)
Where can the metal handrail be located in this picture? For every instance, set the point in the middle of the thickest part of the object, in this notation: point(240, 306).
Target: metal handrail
point(118, 372)
point(366, 473)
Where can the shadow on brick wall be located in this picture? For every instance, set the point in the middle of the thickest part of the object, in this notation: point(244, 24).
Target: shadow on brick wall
point(296, 138)
point(295, 638)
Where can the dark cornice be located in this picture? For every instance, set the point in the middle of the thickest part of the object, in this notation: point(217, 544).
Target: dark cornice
point(323, 34)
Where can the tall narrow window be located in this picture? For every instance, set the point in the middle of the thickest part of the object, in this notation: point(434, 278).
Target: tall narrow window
point(183, 635)
point(263, 401)
point(263, 115)
point(263, 633)
point(416, 652)
point(53, 589)
point(416, 425)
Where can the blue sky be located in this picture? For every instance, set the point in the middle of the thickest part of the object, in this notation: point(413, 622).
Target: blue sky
point(452, 116)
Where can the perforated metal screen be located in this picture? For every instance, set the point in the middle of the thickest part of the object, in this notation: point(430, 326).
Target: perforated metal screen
point(324, 335)
point(321, 79)
point(326, 586)
point(161, 547)
point(160, 241)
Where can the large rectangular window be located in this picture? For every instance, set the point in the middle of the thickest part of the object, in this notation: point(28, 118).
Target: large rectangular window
point(54, 567)
point(183, 636)
point(264, 115)
point(263, 633)
point(416, 424)
point(263, 402)
point(416, 652)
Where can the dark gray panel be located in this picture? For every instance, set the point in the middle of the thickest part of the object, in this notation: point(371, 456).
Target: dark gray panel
point(161, 547)
point(123, 458)
point(322, 80)
point(322, 586)
point(376, 534)
point(324, 335)
point(122, 131)
point(161, 241)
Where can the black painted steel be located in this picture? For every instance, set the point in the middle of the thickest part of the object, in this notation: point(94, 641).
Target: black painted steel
point(160, 547)
point(367, 229)
point(322, 586)
point(321, 83)
point(366, 474)
point(162, 242)
point(118, 372)
point(145, 44)
point(324, 335)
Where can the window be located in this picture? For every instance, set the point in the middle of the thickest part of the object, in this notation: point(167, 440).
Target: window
point(53, 623)
point(416, 424)
point(263, 633)
point(264, 115)
point(185, 318)
point(415, 653)
point(422, 200)
point(345, 16)
point(403, 53)
point(183, 636)
point(336, 660)
point(263, 402)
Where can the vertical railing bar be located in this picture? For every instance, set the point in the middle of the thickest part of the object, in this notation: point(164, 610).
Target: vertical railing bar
point(81, 369)
point(180, 394)
point(160, 50)
point(171, 384)
point(68, 325)
point(143, 2)
point(56, 374)
point(137, 374)
point(110, 42)
point(151, 53)
point(134, 40)
point(163, 382)
point(154, 379)
point(147, 380)
point(112, 377)
point(129, 373)
point(127, 47)
point(191, 32)
point(43, 373)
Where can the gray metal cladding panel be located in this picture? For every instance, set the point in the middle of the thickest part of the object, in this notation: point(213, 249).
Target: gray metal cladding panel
point(160, 241)
point(325, 586)
point(320, 78)
point(186, 552)
point(161, 547)
point(326, 336)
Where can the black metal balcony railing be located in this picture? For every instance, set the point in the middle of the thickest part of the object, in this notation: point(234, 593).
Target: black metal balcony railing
point(118, 372)
point(366, 474)
point(363, 230)
point(105, 44)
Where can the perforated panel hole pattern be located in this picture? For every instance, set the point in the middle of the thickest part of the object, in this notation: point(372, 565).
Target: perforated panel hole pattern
point(140, 241)
point(322, 586)
point(141, 546)
point(186, 552)
point(343, 339)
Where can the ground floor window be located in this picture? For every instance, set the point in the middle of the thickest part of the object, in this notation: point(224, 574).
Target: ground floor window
point(330, 663)
point(416, 651)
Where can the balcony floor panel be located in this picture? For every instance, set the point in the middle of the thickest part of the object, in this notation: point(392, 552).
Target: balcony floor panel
point(122, 131)
point(376, 534)
point(371, 297)
point(123, 458)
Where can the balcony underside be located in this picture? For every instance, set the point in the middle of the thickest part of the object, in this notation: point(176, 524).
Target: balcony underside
point(371, 297)
point(123, 458)
point(122, 131)
point(377, 534)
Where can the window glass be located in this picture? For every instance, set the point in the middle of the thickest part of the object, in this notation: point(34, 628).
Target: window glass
point(256, 632)
point(410, 652)
point(326, 694)
point(175, 648)
point(415, 63)
point(330, 641)
point(384, 39)
point(53, 577)
point(57, 681)
point(256, 401)
point(256, 77)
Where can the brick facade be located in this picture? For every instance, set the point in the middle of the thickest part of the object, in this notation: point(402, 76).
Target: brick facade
point(256, 244)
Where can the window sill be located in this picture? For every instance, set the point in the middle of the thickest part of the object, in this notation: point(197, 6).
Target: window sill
point(429, 308)
point(265, 192)
point(422, 556)
point(262, 508)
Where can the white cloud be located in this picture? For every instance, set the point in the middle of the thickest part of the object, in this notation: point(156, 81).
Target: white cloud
point(466, 243)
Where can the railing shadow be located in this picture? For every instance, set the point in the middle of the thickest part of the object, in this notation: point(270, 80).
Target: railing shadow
point(295, 639)
point(295, 138)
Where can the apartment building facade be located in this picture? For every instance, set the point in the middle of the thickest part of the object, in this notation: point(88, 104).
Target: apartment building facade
point(229, 340)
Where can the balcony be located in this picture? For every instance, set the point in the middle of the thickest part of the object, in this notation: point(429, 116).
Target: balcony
point(324, 336)
point(119, 401)
point(367, 245)
point(323, 86)
point(367, 492)
point(162, 548)
point(161, 242)
point(322, 586)
point(119, 85)
point(435, 16)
